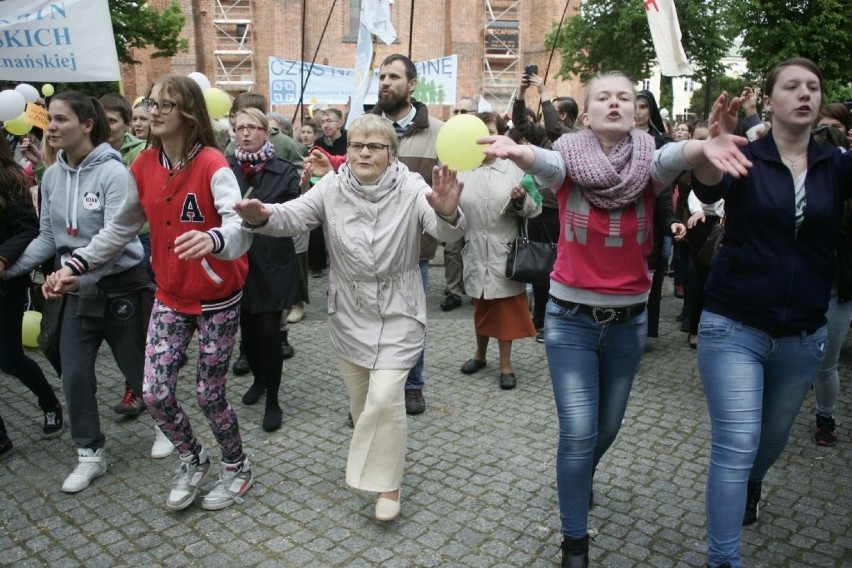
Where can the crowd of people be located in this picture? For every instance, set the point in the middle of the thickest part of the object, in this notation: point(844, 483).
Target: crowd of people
point(152, 228)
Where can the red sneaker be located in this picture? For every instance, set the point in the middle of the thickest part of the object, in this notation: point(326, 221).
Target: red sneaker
point(130, 405)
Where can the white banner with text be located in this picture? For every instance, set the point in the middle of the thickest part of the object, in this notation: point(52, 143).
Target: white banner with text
point(436, 82)
point(62, 41)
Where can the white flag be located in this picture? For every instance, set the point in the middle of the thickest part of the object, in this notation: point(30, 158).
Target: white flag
point(57, 42)
point(375, 20)
point(665, 31)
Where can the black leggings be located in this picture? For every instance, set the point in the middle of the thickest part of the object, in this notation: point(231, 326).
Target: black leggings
point(261, 340)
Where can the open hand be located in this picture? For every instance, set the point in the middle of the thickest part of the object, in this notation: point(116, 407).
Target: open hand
point(193, 245)
point(695, 218)
point(723, 117)
point(724, 153)
point(446, 190)
point(252, 211)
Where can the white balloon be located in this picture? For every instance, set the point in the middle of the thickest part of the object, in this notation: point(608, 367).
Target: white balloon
point(201, 79)
point(30, 93)
point(12, 104)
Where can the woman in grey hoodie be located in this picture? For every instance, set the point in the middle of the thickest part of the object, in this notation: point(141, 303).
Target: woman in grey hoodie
point(81, 192)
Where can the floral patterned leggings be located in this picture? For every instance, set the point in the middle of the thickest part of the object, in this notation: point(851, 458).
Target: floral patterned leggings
point(169, 333)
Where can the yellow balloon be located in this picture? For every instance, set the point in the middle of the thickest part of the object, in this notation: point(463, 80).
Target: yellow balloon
point(30, 328)
point(218, 102)
point(456, 143)
point(47, 90)
point(18, 126)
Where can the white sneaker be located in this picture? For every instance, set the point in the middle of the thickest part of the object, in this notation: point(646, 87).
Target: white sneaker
point(186, 480)
point(297, 313)
point(162, 447)
point(234, 480)
point(90, 464)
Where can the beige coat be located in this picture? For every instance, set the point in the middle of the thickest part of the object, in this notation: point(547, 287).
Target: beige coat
point(490, 230)
point(376, 301)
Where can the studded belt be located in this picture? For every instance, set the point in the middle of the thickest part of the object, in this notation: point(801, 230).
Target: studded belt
point(602, 315)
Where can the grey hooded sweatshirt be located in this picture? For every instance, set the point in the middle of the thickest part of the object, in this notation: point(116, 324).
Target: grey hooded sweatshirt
point(76, 204)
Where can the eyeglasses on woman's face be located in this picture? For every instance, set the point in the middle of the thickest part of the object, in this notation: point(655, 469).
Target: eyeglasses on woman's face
point(460, 111)
point(250, 128)
point(164, 107)
point(372, 147)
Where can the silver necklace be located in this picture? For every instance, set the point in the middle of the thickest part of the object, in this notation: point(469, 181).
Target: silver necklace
point(793, 162)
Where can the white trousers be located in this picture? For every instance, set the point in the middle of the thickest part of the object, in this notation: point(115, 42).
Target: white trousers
point(377, 402)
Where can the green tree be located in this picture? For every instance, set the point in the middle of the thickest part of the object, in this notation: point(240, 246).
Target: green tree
point(137, 26)
point(605, 35)
point(816, 29)
point(719, 83)
point(609, 34)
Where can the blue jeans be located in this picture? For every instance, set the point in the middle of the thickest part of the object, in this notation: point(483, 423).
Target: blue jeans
point(592, 369)
point(827, 383)
point(415, 375)
point(755, 385)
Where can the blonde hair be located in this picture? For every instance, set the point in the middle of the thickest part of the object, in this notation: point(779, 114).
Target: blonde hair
point(374, 125)
point(255, 114)
point(602, 76)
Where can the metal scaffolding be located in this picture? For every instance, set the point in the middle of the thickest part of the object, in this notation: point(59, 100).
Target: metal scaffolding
point(501, 65)
point(233, 45)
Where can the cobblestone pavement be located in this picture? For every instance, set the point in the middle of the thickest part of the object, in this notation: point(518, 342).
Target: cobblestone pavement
point(479, 488)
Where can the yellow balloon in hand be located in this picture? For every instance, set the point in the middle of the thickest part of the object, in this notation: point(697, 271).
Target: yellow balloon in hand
point(456, 143)
point(47, 90)
point(30, 328)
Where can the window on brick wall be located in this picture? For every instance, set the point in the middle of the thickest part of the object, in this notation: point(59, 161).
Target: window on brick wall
point(354, 19)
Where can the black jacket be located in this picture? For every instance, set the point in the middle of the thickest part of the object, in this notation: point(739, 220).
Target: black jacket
point(18, 226)
point(273, 280)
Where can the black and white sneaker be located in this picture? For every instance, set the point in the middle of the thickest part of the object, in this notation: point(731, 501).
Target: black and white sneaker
point(53, 424)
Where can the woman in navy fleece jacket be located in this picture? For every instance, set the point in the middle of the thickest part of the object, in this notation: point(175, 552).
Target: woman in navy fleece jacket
point(762, 333)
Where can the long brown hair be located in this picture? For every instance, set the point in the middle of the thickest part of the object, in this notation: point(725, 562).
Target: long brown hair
point(13, 182)
point(197, 128)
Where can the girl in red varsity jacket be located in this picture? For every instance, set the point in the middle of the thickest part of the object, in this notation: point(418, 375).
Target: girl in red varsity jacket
point(182, 186)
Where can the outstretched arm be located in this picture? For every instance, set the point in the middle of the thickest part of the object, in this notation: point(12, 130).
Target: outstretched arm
point(720, 154)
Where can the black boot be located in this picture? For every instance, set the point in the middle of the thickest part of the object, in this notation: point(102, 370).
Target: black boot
point(253, 394)
point(286, 348)
point(575, 552)
point(272, 418)
point(241, 365)
point(752, 503)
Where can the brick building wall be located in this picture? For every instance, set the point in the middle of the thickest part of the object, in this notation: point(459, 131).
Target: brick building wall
point(441, 27)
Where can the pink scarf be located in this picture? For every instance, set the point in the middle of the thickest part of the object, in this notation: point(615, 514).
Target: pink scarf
point(609, 181)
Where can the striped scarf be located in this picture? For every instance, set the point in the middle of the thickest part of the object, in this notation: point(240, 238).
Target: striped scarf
point(608, 181)
point(253, 162)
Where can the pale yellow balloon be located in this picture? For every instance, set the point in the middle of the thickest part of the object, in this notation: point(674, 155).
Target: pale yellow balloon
point(456, 143)
point(218, 102)
point(18, 126)
point(30, 328)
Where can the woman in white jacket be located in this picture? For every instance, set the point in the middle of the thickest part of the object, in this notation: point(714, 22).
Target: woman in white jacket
point(373, 211)
point(494, 205)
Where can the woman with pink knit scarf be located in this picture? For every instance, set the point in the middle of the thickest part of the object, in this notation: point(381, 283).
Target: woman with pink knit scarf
point(605, 179)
